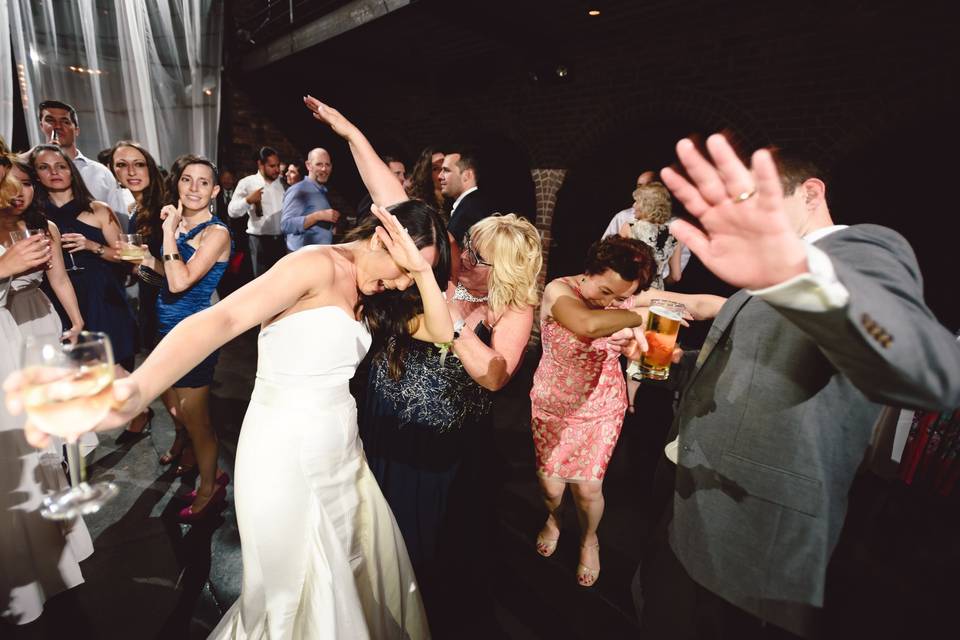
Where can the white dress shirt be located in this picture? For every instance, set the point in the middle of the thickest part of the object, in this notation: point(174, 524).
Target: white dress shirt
point(461, 197)
point(818, 289)
point(618, 221)
point(272, 203)
point(103, 186)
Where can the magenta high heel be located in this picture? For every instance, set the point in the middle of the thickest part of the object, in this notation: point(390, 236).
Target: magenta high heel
point(222, 481)
point(187, 515)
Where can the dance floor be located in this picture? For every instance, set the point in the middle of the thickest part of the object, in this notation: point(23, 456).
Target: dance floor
point(153, 578)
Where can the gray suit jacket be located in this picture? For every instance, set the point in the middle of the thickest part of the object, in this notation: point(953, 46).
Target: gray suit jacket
point(778, 412)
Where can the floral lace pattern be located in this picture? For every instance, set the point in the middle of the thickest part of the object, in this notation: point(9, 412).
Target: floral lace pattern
point(578, 402)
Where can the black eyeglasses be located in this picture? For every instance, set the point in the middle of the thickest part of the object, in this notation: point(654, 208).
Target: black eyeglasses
point(473, 258)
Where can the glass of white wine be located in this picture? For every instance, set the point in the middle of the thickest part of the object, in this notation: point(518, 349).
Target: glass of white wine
point(67, 391)
point(22, 234)
point(131, 247)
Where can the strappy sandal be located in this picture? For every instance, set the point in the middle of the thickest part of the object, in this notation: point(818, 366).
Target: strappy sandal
point(546, 546)
point(587, 576)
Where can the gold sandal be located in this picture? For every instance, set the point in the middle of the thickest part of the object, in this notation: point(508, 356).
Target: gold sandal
point(587, 576)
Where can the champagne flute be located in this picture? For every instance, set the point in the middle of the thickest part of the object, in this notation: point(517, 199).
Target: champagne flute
point(23, 234)
point(68, 390)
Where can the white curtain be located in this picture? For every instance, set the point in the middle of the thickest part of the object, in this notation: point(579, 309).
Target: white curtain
point(6, 77)
point(147, 70)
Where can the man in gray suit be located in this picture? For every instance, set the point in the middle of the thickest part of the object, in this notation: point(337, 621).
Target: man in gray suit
point(779, 405)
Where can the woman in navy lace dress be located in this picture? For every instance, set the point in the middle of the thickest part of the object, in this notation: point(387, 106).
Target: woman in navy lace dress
point(426, 425)
point(196, 249)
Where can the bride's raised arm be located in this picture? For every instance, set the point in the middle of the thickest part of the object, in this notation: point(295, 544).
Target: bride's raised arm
point(376, 175)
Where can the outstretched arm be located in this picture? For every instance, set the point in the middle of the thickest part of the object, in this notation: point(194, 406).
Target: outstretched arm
point(866, 310)
point(383, 186)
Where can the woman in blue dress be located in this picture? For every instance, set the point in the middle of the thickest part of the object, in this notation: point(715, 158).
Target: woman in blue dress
point(89, 235)
point(196, 249)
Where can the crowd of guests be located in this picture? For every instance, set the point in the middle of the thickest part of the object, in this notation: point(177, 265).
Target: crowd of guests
point(378, 520)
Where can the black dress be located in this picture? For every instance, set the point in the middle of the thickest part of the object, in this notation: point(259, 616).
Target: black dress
point(99, 286)
point(147, 309)
point(424, 436)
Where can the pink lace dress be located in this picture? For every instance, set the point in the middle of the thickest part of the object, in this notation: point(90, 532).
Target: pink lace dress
point(578, 402)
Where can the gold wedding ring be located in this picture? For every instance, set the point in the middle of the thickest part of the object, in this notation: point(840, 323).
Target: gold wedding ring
point(746, 195)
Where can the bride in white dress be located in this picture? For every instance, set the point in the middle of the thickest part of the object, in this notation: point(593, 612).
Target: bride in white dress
point(322, 554)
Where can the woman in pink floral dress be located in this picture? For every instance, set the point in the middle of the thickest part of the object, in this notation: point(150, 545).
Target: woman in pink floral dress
point(579, 397)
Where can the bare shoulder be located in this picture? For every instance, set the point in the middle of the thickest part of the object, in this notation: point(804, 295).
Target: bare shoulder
point(319, 261)
point(101, 209)
point(556, 288)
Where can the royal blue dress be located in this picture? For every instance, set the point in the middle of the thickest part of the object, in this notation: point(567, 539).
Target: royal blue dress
point(174, 307)
point(99, 286)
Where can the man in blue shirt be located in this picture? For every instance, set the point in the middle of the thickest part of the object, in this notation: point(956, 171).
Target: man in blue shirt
point(307, 217)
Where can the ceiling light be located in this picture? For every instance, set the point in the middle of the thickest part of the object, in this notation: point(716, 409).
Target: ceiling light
point(593, 12)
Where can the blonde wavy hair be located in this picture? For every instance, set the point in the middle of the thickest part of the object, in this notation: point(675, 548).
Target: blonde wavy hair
point(9, 188)
point(652, 200)
point(512, 245)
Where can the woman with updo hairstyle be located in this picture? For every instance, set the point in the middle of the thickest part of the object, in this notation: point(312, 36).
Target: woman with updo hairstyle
point(579, 397)
point(652, 209)
point(427, 427)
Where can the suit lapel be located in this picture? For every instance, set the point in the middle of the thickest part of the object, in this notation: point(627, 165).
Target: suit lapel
point(720, 327)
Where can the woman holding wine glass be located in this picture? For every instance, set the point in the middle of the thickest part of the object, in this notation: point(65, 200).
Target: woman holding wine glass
point(196, 248)
point(90, 232)
point(39, 558)
point(29, 305)
point(322, 555)
point(137, 171)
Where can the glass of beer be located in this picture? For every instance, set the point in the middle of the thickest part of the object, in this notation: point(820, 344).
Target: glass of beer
point(663, 324)
point(131, 247)
point(67, 391)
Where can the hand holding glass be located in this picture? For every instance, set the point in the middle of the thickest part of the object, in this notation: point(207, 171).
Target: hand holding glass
point(67, 391)
point(663, 325)
point(131, 247)
point(23, 234)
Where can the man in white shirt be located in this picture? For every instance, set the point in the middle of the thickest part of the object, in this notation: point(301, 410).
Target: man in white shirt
point(779, 406)
point(260, 197)
point(460, 180)
point(60, 126)
point(623, 217)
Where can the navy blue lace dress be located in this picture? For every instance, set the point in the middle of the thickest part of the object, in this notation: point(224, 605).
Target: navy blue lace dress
point(174, 307)
point(99, 286)
point(427, 438)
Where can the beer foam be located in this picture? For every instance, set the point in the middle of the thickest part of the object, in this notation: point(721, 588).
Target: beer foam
point(666, 313)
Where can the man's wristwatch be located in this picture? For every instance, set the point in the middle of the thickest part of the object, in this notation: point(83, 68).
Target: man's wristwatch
point(458, 328)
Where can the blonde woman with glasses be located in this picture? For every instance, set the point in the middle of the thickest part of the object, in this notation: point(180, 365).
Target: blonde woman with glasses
point(426, 424)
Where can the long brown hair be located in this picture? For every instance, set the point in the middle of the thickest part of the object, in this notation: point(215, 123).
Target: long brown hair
point(78, 189)
point(154, 196)
point(388, 314)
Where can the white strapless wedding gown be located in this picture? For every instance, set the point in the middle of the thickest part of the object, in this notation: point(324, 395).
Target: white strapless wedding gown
point(322, 555)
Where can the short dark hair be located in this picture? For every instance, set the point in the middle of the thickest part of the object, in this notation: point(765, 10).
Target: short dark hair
point(631, 259)
point(56, 104)
point(469, 159)
point(794, 168)
point(388, 159)
point(266, 152)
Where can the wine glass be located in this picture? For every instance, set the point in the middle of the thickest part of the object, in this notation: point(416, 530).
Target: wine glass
point(68, 390)
point(22, 234)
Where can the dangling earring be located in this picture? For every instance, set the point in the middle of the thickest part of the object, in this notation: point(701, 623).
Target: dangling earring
point(211, 207)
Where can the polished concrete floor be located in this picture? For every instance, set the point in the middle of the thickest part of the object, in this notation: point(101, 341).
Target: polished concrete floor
point(895, 573)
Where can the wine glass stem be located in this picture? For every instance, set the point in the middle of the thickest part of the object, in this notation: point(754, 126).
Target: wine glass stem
point(73, 263)
point(75, 462)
